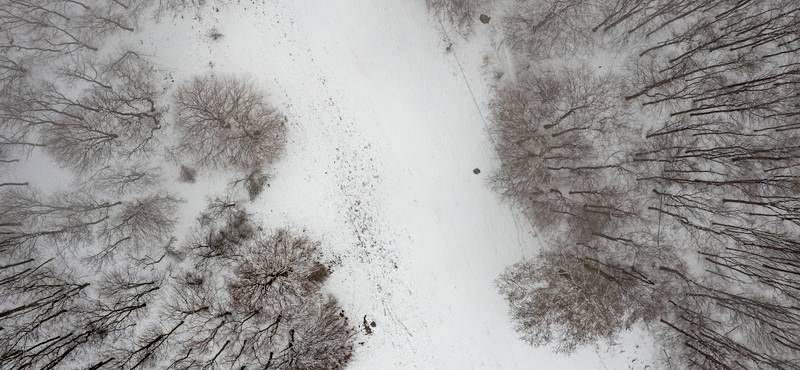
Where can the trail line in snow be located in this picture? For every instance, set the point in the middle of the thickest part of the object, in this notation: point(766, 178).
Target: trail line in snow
point(480, 112)
point(475, 100)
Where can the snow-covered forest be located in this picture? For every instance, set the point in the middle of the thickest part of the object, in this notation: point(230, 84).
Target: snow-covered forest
point(94, 274)
point(665, 180)
point(428, 184)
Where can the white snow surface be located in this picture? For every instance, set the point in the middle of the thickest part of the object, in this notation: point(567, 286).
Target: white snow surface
point(385, 128)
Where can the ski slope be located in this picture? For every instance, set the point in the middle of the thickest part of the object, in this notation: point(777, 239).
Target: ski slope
point(386, 126)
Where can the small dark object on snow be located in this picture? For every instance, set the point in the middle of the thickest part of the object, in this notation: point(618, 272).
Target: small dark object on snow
point(476, 171)
point(214, 34)
point(188, 175)
point(367, 329)
point(373, 324)
point(485, 18)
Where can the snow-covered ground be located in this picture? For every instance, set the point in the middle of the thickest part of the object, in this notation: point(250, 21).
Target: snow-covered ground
point(386, 127)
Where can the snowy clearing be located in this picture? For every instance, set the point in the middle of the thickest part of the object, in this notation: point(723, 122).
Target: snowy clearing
point(386, 127)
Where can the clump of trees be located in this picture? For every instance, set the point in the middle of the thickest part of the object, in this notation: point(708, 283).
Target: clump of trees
point(256, 300)
point(538, 30)
point(681, 214)
point(93, 272)
point(561, 136)
point(53, 319)
point(250, 302)
point(54, 28)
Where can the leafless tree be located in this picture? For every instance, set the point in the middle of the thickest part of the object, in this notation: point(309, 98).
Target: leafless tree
point(13, 78)
point(712, 328)
point(563, 157)
point(224, 122)
point(557, 302)
point(123, 180)
point(117, 116)
point(63, 219)
point(15, 86)
point(114, 117)
point(322, 340)
point(275, 272)
point(58, 27)
point(552, 28)
point(576, 295)
point(38, 307)
point(137, 226)
point(81, 221)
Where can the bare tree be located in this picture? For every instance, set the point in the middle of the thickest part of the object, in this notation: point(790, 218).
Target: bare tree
point(56, 27)
point(552, 28)
point(117, 116)
point(123, 180)
point(13, 78)
point(227, 122)
point(80, 221)
point(137, 226)
point(67, 220)
point(274, 274)
point(323, 340)
point(576, 295)
point(39, 306)
point(712, 328)
point(14, 104)
point(561, 136)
